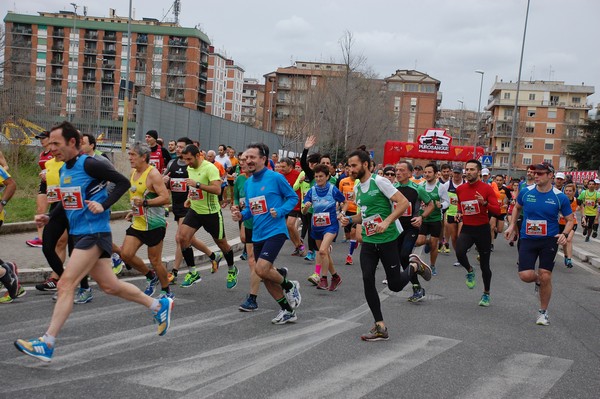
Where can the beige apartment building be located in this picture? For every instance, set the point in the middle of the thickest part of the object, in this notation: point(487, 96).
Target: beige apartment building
point(253, 103)
point(550, 114)
point(224, 86)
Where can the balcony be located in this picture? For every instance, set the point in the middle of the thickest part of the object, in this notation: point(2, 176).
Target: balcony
point(58, 32)
point(91, 35)
point(204, 76)
point(142, 39)
point(109, 66)
point(22, 30)
point(58, 47)
point(89, 51)
point(204, 48)
point(89, 64)
point(56, 75)
point(202, 90)
point(284, 85)
point(88, 77)
point(109, 52)
point(176, 57)
point(176, 85)
point(175, 71)
point(178, 42)
point(202, 104)
point(110, 37)
point(56, 61)
point(141, 54)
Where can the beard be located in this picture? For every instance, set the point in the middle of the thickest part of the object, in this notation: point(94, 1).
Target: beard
point(361, 173)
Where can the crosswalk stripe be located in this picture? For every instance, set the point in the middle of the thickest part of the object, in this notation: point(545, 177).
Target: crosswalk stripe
point(521, 375)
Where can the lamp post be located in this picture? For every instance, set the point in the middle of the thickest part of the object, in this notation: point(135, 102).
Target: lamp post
point(462, 121)
point(479, 71)
point(69, 88)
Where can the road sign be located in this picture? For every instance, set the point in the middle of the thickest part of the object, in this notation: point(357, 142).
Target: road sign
point(487, 160)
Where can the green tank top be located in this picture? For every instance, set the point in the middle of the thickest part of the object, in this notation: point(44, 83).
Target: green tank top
point(436, 214)
point(375, 207)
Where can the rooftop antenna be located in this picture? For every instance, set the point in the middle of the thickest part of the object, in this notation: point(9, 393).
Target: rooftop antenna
point(176, 10)
point(85, 11)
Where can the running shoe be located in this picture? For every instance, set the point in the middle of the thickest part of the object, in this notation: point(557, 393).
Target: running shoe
point(323, 285)
point(36, 348)
point(595, 234)
point(418, 294)
point(433, 271)
point(427, 248)
point(215, 263)
point(349, 259)
point(542, 319)
point(293, 295)
point(55, 296)
point(384, 282)
point(335, 282)
point(446, 248)
point(587, 239)
point(310, 256)
point(172, 278)
point(568, 263)
point(585, 230)
point(117, 264)
point(165, 294)
point(48, 285)
point(377, 333)
point(8, 299)
point(151, 285)
point(423, 268)
point(456, 264)
point(299, 251)
point(285, 316)
point(232, 277)
point(13, 285)
point(491, 248)
point(191, 279)
point(470, 279)
point(35, 243)
point(249, 305)
point(244, 255)
point(163, 316)
point(314, 279)
point(485, 300)
point(84, 295)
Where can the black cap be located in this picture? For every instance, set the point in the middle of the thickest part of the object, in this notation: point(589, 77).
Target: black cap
point(457, 169)
point(153, 134)
point(418, 167)
point(543, 166)
point(43, 135)
point(389, 169)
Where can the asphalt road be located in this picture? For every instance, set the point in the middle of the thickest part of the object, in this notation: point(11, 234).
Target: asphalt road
point(444, 347)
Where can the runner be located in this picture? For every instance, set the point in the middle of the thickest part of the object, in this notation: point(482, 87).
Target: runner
point(323, 198)
point(308, 163)
point(452, 224)
point(444, 177)
point(380, 232)
point(159, 156)
point(475, 200)
point(541, 204)
point(432, 224)
point(418, 175)
point(497, 221)
point(346, 186)
point(589, 200)
point(175, 179)
point(204, 185)
point(40, 201)
point(85, 201)
point(411, 221)
point(286, 168)
point(569, 190)
point(269, 199)
point(147, 194)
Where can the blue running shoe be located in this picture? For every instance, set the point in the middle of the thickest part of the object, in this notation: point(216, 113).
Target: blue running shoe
point(36, 348)
point(151, 285)
point(84, 295)
point(163, 316)
point(293, 295)
point(249, 305)
point(164, 294)
point(427, 248)
point(244, 255)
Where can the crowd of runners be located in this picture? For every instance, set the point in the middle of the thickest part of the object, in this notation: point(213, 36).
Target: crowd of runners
point(387, 210)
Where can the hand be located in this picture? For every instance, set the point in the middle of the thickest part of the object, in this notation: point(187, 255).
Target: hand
point(43, 175)
point(190, 182)
point(382, 227)
point(562, 240)
point(236, 214)
point(166, 178)
point(129, 216)
point(94, 207)
point(41, 220)
point(509, 234)
point(306, 206)
point(137, 202)
point(479, 197)
point(187, 203)
point(273, 212)
point(416, 221)
point(458, 217)
point(310, 141)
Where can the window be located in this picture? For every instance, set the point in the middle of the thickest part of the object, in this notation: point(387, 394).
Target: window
point(531, 96)
point(313, 81)
point(548, 160)
point(554, 100)
point(528, 145)
point(551, 114)
point(507, 96)
point(574, 116)
point(531, 113)
point(529, 129)
point(576, 100)
point(526, 161)
point(549, 145)
point(508, 113)
point(550, 130)
point(412, 87)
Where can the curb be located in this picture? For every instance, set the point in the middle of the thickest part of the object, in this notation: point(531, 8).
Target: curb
point(22, 227)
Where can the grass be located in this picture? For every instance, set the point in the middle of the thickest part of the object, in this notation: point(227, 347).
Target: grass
point(23, 167)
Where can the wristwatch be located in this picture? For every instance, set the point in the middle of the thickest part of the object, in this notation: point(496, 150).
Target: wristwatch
point(198, 185)
point(3, 202)
point(566, 235)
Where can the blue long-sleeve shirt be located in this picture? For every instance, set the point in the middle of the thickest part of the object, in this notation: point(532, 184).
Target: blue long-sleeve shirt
point(268, 190)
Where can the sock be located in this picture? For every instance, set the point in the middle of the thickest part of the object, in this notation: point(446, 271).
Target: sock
point(155, 307)
point(188, 256)
point(165, 289)
point(150, 275)
point(192, 270)
point(284, 304)
point(229, 258)
point(85, 283)
point(252, 296)
point(49, 340)
point(318, 269)
point(335, 275)
point(352, 246)
point(175, 272)
point(212, 256)
point(286, 284)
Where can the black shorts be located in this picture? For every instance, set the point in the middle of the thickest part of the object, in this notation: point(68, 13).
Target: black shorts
point(500, 218)
point(451, 219)
point(102, 240)
point(561, 228)
point(179, 211)
point(230, 182)
point(294, 214)
point(248, 233)
point(212, 223)
point(43, 188)
point(150, 238)
point(349, 226)
point(269, 248)
point(543, 249)
point(434, 229)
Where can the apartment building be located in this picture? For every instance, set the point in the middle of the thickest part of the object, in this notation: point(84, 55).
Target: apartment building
point(461, 124)
point(224, 86)
point(550, 114)
point(253, 98)
point(233, 91)
point(78, 64)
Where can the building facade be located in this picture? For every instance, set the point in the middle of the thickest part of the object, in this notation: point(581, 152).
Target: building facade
point(253, 98)
point(549, 115)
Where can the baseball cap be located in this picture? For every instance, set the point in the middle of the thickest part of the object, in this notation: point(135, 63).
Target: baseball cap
point(43, 135)
point(457, 169)
point(560, 175)
point(597, 181)
point(485, 171)
point(418, 167)
point(389, 169)
point(543, 166)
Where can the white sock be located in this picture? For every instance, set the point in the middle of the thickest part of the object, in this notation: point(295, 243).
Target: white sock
point(155, 305)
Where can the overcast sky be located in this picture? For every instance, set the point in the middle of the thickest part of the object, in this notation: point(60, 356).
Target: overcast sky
point(448, 39)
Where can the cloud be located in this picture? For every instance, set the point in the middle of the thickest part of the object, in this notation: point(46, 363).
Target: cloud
point(293, 26)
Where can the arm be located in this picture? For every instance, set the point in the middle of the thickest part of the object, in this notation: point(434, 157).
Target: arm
point(443, 193)
point(510, 232)
point(106, 172)
point(291, 198)
point(492, 202)
point(157, 185)
point(308, 173)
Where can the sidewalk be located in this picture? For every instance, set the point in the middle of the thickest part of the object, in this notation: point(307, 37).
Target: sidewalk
point(33, 267)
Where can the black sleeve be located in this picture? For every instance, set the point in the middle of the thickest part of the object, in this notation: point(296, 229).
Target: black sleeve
point(166, 156)
point(309, 175)
point(106, 172)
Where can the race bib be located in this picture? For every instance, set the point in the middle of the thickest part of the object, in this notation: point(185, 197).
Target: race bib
point(195, 194)
point(408, 211)
point(349, 196)
point(242, 203)
point(322, 219)
point(137, 210)
point(178, 185)
point(470, 207)
point(536, 228)
point(453, 200)
point(258, 205)
point(371, 223)
point(71, 198)
point(590, 203)
point(53, 193)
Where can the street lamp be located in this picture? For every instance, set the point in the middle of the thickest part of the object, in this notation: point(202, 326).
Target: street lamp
point(462, 121)
point(479, 71)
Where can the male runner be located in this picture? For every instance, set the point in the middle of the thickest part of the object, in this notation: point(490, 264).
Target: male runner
point(346, 186)
point(269, 198)
point(497, 221)
point(286, 168)
point(159, 156)
point(444, 242)
point(541, 204)
point(204, 186)
point(452, 225)
point(40, 201)
point(589, 200)
point(380, 231)
point(148, 194)
point(85, 201)
point(475, 199)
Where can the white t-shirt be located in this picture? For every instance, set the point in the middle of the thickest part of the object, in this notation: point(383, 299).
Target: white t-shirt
point(223, 160)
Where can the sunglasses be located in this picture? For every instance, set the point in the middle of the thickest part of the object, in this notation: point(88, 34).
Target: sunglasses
point(539, 173)
point(390, 174)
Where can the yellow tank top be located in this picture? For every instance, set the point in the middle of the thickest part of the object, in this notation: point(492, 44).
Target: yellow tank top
point(53, 180)
point(145, 218)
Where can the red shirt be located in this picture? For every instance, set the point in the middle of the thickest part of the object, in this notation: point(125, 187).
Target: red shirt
point(291, 179)
point(44, 156)
point(473, 213)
